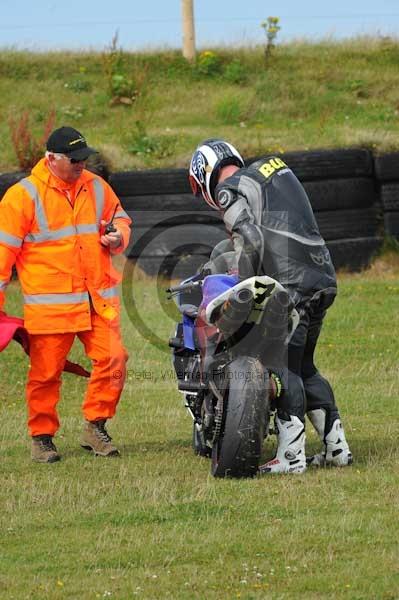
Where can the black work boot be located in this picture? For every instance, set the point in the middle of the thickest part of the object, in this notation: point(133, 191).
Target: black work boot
point(43, 449)
point(96, 438)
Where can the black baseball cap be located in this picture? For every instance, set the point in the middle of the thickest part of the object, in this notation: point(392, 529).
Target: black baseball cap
point(69, 141)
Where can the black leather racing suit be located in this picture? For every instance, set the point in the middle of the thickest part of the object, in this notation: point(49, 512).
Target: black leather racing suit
point(270, 219)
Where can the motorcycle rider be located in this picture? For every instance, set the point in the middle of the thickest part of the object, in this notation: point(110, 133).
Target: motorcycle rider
point(274, 232)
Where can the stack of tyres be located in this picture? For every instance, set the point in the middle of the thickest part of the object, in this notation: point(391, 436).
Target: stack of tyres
point(341, 188)
point(174, 232)
point(387, 174)
point(355, 197)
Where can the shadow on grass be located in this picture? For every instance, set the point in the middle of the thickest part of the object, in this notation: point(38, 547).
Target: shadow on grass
point(366, 452)
point(131, 449)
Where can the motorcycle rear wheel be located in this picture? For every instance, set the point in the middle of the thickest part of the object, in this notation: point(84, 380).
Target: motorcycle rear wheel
point(237, 450)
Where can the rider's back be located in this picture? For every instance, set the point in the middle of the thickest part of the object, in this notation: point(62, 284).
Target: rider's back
point(293, 250)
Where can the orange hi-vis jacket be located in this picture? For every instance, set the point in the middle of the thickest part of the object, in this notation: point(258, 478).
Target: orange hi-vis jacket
point(63, 269)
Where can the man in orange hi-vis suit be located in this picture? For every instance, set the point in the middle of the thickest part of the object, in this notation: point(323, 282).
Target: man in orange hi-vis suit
point(55, 227)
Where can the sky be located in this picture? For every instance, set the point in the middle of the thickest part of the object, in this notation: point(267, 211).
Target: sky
point(156, 24)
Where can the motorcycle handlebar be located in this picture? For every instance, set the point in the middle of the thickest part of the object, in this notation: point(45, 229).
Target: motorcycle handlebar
point(184, 287)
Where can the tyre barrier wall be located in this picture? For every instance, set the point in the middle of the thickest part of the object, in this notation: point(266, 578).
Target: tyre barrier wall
point(387, 175)
point(174, 232)
point(355, 197)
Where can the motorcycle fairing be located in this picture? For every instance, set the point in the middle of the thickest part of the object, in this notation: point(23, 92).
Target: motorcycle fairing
point(262, 288)
point(188, 332)
point(215, 285)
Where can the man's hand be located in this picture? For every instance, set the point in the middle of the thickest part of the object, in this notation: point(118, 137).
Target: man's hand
point(112, 239)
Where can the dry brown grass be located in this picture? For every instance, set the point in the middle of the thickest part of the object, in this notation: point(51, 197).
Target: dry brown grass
point(383, 268)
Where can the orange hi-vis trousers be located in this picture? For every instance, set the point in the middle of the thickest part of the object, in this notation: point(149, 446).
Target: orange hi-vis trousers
point(48, 352)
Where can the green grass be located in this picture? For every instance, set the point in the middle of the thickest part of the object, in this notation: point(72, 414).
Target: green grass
point(322, 95)
point(155, 524)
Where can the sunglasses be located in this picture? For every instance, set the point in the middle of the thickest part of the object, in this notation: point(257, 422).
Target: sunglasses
point(73, 161)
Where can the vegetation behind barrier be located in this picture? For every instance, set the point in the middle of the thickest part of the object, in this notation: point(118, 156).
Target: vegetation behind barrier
point(149, 109)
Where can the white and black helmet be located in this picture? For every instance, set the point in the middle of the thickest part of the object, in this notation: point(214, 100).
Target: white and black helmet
point(206, 162)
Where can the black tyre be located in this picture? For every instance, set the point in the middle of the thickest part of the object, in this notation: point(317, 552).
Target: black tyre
point(175, 239)
point(8, 179)
point(165, 202)
point(173, 218)
point(354, 254)
point(391, 224)
point(328, 164)
point(334, 194)
point(237, 451)
point(389, 196)
point(343, 224)
point(148, 182)
point(387, 166)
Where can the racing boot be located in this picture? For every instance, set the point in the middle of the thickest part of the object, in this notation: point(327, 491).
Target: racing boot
point(290, 456)
point(336, 451)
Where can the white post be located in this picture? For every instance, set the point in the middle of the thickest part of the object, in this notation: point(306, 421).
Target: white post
point(188, 30)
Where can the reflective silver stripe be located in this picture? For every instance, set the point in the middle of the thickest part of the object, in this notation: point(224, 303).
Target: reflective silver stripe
point(57, 234)
point(10, 240)
point(121, 214)
point(99, 198)
point(45, 234)
point(297, 238)
point(87, 228)
point(3, 285)
point(108, 292)
point(39, 209)
point(72, 298)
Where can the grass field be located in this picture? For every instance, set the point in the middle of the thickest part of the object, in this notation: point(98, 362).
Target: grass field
point(155, 524)
point(322, 95)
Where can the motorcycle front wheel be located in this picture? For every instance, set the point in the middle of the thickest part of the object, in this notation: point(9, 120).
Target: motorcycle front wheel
point(237, 450)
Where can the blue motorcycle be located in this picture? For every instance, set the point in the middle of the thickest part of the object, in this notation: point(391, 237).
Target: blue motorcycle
point(227, 351)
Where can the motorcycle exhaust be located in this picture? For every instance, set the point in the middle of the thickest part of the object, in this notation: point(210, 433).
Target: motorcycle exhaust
point(276, 318)
point(234, 311)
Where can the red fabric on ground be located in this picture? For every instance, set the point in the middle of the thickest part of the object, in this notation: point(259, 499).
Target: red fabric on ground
point(12, 328)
